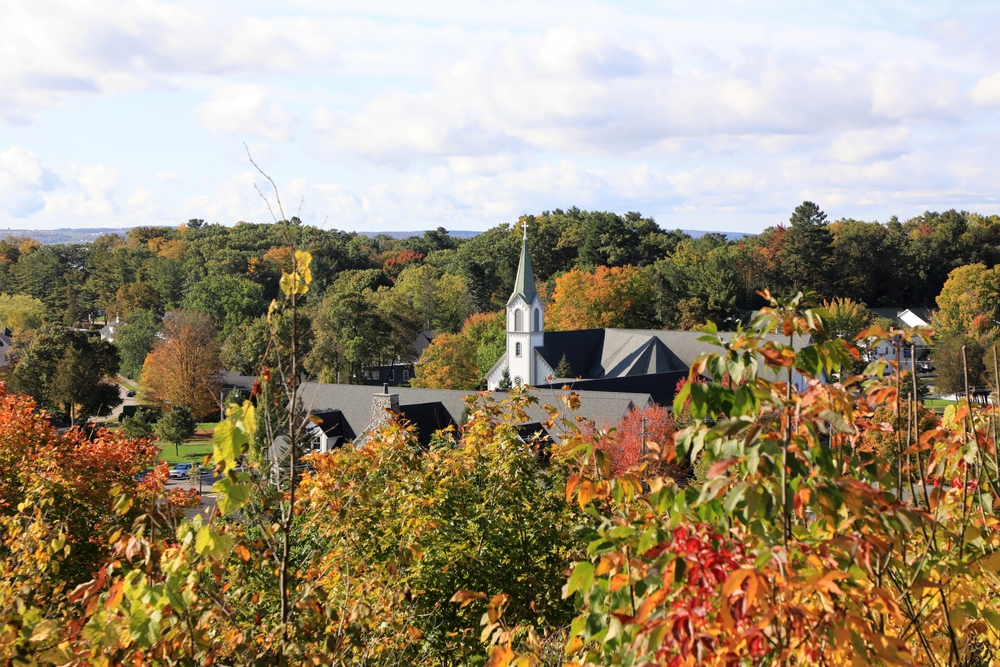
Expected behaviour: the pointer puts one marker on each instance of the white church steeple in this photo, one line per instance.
(525, 323)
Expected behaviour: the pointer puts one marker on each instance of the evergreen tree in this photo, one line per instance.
(505, 383)
(563, 370)
(808, 249)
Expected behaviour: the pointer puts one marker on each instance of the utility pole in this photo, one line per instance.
(642, 423)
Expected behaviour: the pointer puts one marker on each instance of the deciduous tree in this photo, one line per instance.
(183, 368)
(449, 362)
(619, 297)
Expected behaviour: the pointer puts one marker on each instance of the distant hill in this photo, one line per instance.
(87, 234)
(79, 235)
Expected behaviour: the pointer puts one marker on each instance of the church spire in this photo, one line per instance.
(524, 285)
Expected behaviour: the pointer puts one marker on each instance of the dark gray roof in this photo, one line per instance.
(616, 353)
(432, 408)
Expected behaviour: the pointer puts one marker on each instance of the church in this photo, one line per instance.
(612, 360)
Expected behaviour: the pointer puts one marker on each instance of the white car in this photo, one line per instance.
(181, 471)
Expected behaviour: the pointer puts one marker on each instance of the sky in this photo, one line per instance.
(410, 115)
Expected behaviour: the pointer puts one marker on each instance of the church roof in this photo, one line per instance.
(618, 353)
(524, 284)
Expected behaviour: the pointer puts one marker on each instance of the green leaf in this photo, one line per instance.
(229, 443)
(231, 494)
(212, 543)
(581, 579)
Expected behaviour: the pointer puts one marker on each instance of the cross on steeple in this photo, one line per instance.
(525, 237)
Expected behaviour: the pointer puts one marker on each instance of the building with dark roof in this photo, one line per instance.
(630, 360)
(345, 413)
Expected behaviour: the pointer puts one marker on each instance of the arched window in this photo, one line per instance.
(517, 349)
(537, 327)
(517, 320)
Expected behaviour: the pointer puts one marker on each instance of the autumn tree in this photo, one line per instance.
(487, 333)
(137, 296)
(183, 368)
(619, 297)
(449, 362)
(970, 291)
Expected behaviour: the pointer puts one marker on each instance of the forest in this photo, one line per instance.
(372, 296)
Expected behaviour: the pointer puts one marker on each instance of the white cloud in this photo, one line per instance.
(868, 145)
(56, 48)
(91, 200)
(246, 109)
(168, 177)
(582, 92)
(986, 91)
(23, 183)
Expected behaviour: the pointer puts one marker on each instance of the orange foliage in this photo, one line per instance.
(623, 444)
(619, 297)
(449, 362)
(183, 369)
(401, 259)
(79, 474)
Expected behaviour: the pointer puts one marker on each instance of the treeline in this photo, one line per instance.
(372, 296)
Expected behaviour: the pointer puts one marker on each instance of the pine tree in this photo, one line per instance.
(563, 370)
(505, 383)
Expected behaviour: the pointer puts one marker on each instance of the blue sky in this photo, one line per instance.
(402, 115)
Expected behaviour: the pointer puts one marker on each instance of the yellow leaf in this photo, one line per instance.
(573, 645)
(500, 657)
(587, 493)
(466, 597)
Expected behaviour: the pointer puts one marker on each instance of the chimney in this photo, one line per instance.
(380, 404)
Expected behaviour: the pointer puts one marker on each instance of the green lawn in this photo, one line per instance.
(937, 403)
(192, 451)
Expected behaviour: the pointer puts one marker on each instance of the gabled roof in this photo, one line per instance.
(618, 353)
(524, 284)
(434, 409)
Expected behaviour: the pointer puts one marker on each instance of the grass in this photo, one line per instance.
(194, 449)
(937, 402)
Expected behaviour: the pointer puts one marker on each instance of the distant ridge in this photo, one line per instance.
(88, 234)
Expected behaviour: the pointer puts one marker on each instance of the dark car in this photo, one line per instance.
(130, 394)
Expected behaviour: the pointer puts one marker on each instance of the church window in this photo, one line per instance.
(517, 320)
(537, 326)
(517, 349)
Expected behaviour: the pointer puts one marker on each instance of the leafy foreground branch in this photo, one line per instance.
(804, 545)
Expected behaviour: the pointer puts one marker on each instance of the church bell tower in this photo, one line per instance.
(525, 323)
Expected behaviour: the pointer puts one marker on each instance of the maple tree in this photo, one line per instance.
(183, 368)
(618, 297)
(449, 362)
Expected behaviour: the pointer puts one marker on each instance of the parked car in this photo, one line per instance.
(140, 476)
(180, 471)
(130, 394)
